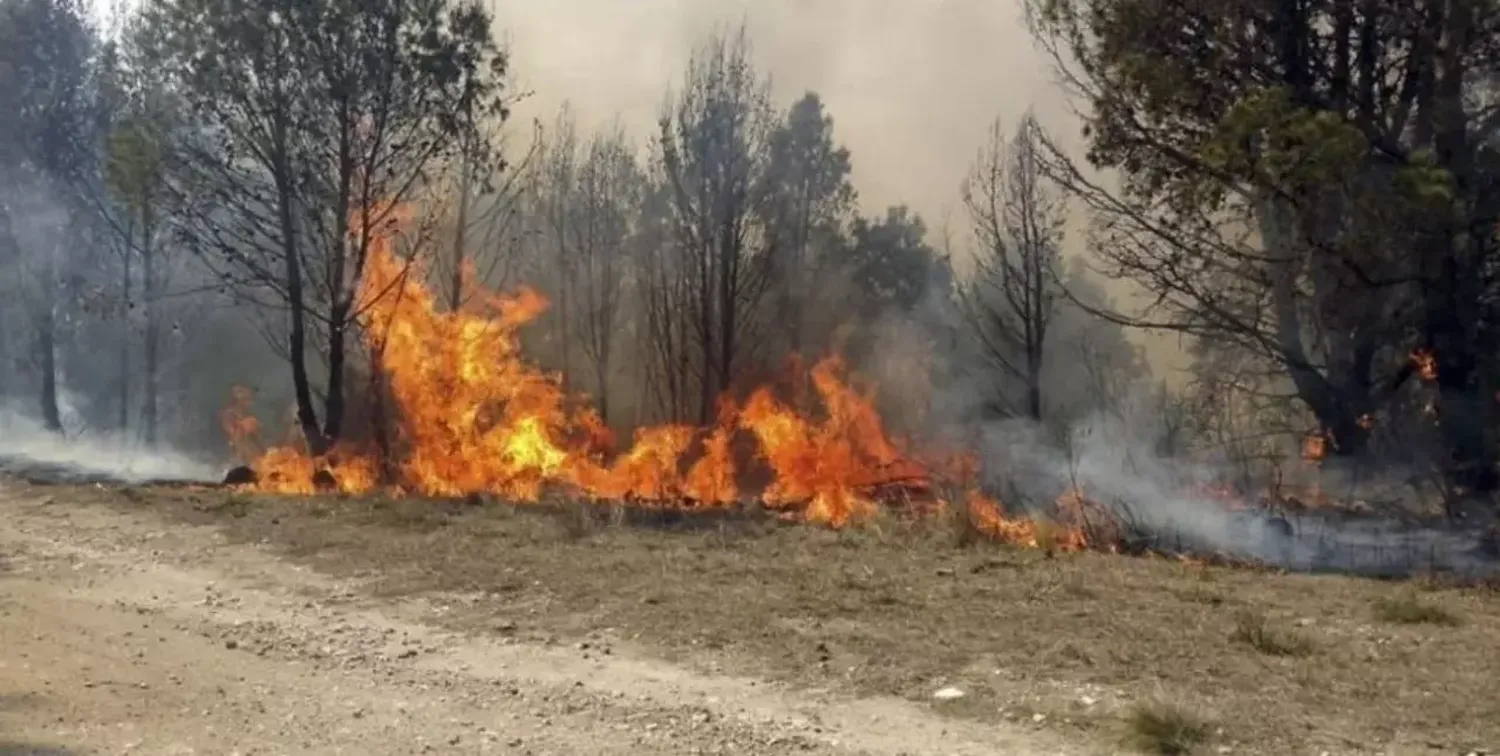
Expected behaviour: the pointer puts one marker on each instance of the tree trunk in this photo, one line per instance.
(706, 329)
(728, 323)
(333, 406)
(601, 375)
(1034, 389)
(307, 415)
(456, 282)
(148, 296)
(124, 345)
(565, 305)
(46, 344)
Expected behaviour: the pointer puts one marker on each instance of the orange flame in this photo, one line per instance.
(990, 517)
(1315, 447)
(1426, 363)
(474, 416)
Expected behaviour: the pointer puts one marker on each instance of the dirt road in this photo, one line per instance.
(123, 633)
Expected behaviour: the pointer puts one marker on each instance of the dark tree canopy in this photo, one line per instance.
(1314, 182)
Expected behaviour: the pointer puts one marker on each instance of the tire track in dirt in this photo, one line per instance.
(124, 633)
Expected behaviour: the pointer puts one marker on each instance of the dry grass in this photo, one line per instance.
(901, 608)
(1163, 729)
(1408, 609)
(1256, 631)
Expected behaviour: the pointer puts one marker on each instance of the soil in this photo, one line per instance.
(181, 620)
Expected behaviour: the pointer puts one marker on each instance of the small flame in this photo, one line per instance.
(990, 517)
(1315, 447)
(1426, 363)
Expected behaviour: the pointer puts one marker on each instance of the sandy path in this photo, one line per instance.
(120, 633)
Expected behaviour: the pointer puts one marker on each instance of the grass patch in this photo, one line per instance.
(899, 606)
(965, 526)
(1409, 610)
(1163, 729)
(1256, 631)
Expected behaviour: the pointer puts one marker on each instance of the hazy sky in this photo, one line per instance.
(912, 84)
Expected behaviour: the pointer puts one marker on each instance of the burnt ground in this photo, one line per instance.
(839, 639)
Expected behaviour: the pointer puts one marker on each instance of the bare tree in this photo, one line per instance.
(480, 195)
(140, 147)
(1017, 223)
(319, 120)
(608, 197)
(554, 187)
(714, 144)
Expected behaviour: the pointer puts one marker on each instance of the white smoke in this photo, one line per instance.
(26, 446)
(1112, 460)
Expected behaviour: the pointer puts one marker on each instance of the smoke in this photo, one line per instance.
(28, 448)
(1111, 459)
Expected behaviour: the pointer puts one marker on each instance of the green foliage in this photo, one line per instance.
(1425, 183)
(1270, 141)
(133, 162)
(893, 264)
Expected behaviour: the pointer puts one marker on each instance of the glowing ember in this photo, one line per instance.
(1315, 447)
(473, 416)
(1426, 363)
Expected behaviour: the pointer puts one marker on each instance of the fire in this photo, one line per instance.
(1426, 363)
(1315, 447)
(474, 416)
(990, 517)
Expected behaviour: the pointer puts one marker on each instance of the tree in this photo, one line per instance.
(809, 210)
(556, 183)
(892, 265)
(1313, 182)
(900, 322)
(609, 197)
(481, 192)
(142, 117)
(316, 122)
(1017, 223)
(714, 161)
(588, 196)
(46, 50)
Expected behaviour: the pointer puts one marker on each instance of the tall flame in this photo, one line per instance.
(475, 416)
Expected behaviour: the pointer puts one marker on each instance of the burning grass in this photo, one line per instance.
(474, 416)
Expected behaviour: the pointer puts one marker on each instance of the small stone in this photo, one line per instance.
(948, 694)
(1038, 717)
(231, 644)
